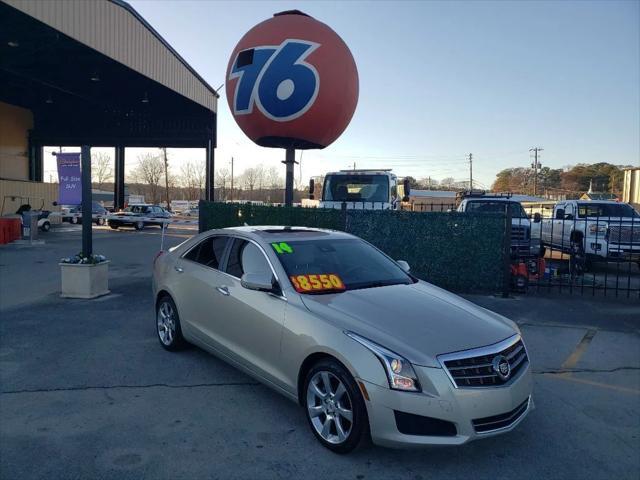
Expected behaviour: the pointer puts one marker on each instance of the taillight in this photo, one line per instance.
(158, 255)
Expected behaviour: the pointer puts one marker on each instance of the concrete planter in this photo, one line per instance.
(84, 280)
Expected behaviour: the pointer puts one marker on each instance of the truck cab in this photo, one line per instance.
(599, 229)
(361, 189)
(480, 202)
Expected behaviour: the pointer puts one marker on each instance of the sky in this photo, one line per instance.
(439, 80)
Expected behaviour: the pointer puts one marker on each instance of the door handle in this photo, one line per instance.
(178, 269)
(223, 290)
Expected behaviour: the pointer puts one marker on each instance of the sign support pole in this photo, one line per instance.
(290, 161)
(87, 219)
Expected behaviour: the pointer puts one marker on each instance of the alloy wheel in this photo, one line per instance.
(166, 321)
(330, 408)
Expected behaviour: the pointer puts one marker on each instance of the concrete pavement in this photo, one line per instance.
(87, 392)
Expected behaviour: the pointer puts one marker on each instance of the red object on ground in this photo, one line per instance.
(10, 230)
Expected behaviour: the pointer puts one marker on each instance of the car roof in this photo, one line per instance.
(593, 202)
(279, 233)
(489, 199)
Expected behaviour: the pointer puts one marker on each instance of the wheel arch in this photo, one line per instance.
(576, 236)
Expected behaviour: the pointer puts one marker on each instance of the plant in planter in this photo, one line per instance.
(84, 276)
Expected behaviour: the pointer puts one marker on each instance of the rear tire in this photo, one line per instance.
(100, 222)
(73, 220)
(168, 326)
(46, 226)
(114, 227)
(334, 407)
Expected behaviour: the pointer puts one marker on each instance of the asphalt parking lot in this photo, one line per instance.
(87, 392)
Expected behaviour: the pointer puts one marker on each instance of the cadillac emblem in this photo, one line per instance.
(501, 367)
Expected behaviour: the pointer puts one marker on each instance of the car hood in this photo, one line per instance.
(418, 321)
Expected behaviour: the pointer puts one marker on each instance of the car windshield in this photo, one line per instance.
(606, 210)
(355, 263)
(356, 188)
(496, 207)
(137, 209)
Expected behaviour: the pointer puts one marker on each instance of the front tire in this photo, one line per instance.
(46, 226)
(334, 407)
(138, 225)
(168, 324)
(73, 220)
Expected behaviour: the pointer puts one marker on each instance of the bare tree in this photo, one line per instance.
(273, 179)
(249, 180)
(101, 168)
(189, 179)
(222, 177)
(150, 170)
(448, 182)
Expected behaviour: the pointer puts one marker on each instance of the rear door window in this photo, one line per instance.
(208, 252)
(234, 263)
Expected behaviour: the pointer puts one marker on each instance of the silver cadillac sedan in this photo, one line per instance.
(334, 324)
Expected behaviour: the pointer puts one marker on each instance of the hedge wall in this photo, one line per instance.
(459, 252)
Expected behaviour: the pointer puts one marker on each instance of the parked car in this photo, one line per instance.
(334, 324)
(73, 213)
(597, 230)
(191, 212)
(139, 216)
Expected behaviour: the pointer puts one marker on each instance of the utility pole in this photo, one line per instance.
(166, 177)
(471, 171)
(301, 152)
(535, 165)
(231, 195)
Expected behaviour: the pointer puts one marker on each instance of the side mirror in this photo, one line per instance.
(403, 265)
(560, 214)
(262, 282)
(537, 218)
(407, 189)
(312, 187)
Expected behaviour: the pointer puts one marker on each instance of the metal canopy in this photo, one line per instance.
(81, 96)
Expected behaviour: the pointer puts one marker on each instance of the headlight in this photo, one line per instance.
(595, 227)
(400, 373)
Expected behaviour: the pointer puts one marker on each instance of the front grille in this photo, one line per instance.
(504, 420)
(478, 370)
(624, 233)
(519, 233)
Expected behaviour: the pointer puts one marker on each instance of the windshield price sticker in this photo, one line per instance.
(317, 283)
(282, 247)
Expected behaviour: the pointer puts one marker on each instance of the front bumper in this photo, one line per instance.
(441, 400)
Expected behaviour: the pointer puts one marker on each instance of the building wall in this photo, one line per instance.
(631, 187)
(14, 193)
(15, 123)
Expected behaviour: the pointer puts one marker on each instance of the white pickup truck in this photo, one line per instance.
(597, 229)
